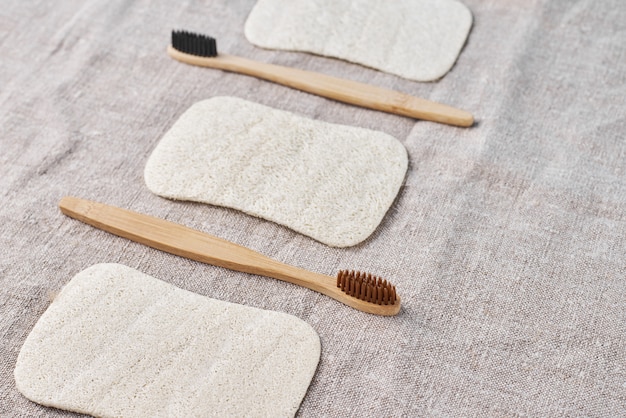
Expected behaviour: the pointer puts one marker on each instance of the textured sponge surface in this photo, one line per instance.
(331, 182)
(117, 342)
(415, 39)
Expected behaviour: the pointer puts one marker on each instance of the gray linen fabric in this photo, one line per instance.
(506, 242)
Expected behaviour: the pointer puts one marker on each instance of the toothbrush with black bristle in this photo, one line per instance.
(201, 50)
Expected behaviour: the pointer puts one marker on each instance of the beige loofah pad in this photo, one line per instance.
(331, 182)
(116, 342)
(416, 39)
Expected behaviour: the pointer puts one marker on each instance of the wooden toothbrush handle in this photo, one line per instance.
(186, 242)
(346, 91)
(190, 243)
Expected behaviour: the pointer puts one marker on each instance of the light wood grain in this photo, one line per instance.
(186, 242)
(346, 91)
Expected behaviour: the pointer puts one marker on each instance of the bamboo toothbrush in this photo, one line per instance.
(361, 291)
(201, 50)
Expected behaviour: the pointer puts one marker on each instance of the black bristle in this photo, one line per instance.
(194, 44)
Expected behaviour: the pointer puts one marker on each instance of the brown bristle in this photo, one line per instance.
(366, 287)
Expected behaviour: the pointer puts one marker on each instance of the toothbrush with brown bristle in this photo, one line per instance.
(361, 291)
(201, 50)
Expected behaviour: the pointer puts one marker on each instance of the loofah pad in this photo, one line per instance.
(116, 342)
(331, 182)
(416, 39)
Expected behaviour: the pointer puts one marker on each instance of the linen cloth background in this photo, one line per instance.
(506, 242)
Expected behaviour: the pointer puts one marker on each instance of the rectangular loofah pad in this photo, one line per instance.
(415, 39)
(331, 182)
(116, 342)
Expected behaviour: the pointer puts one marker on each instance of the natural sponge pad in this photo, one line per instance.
(116, 342)
(331, 182)
(416, 39)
